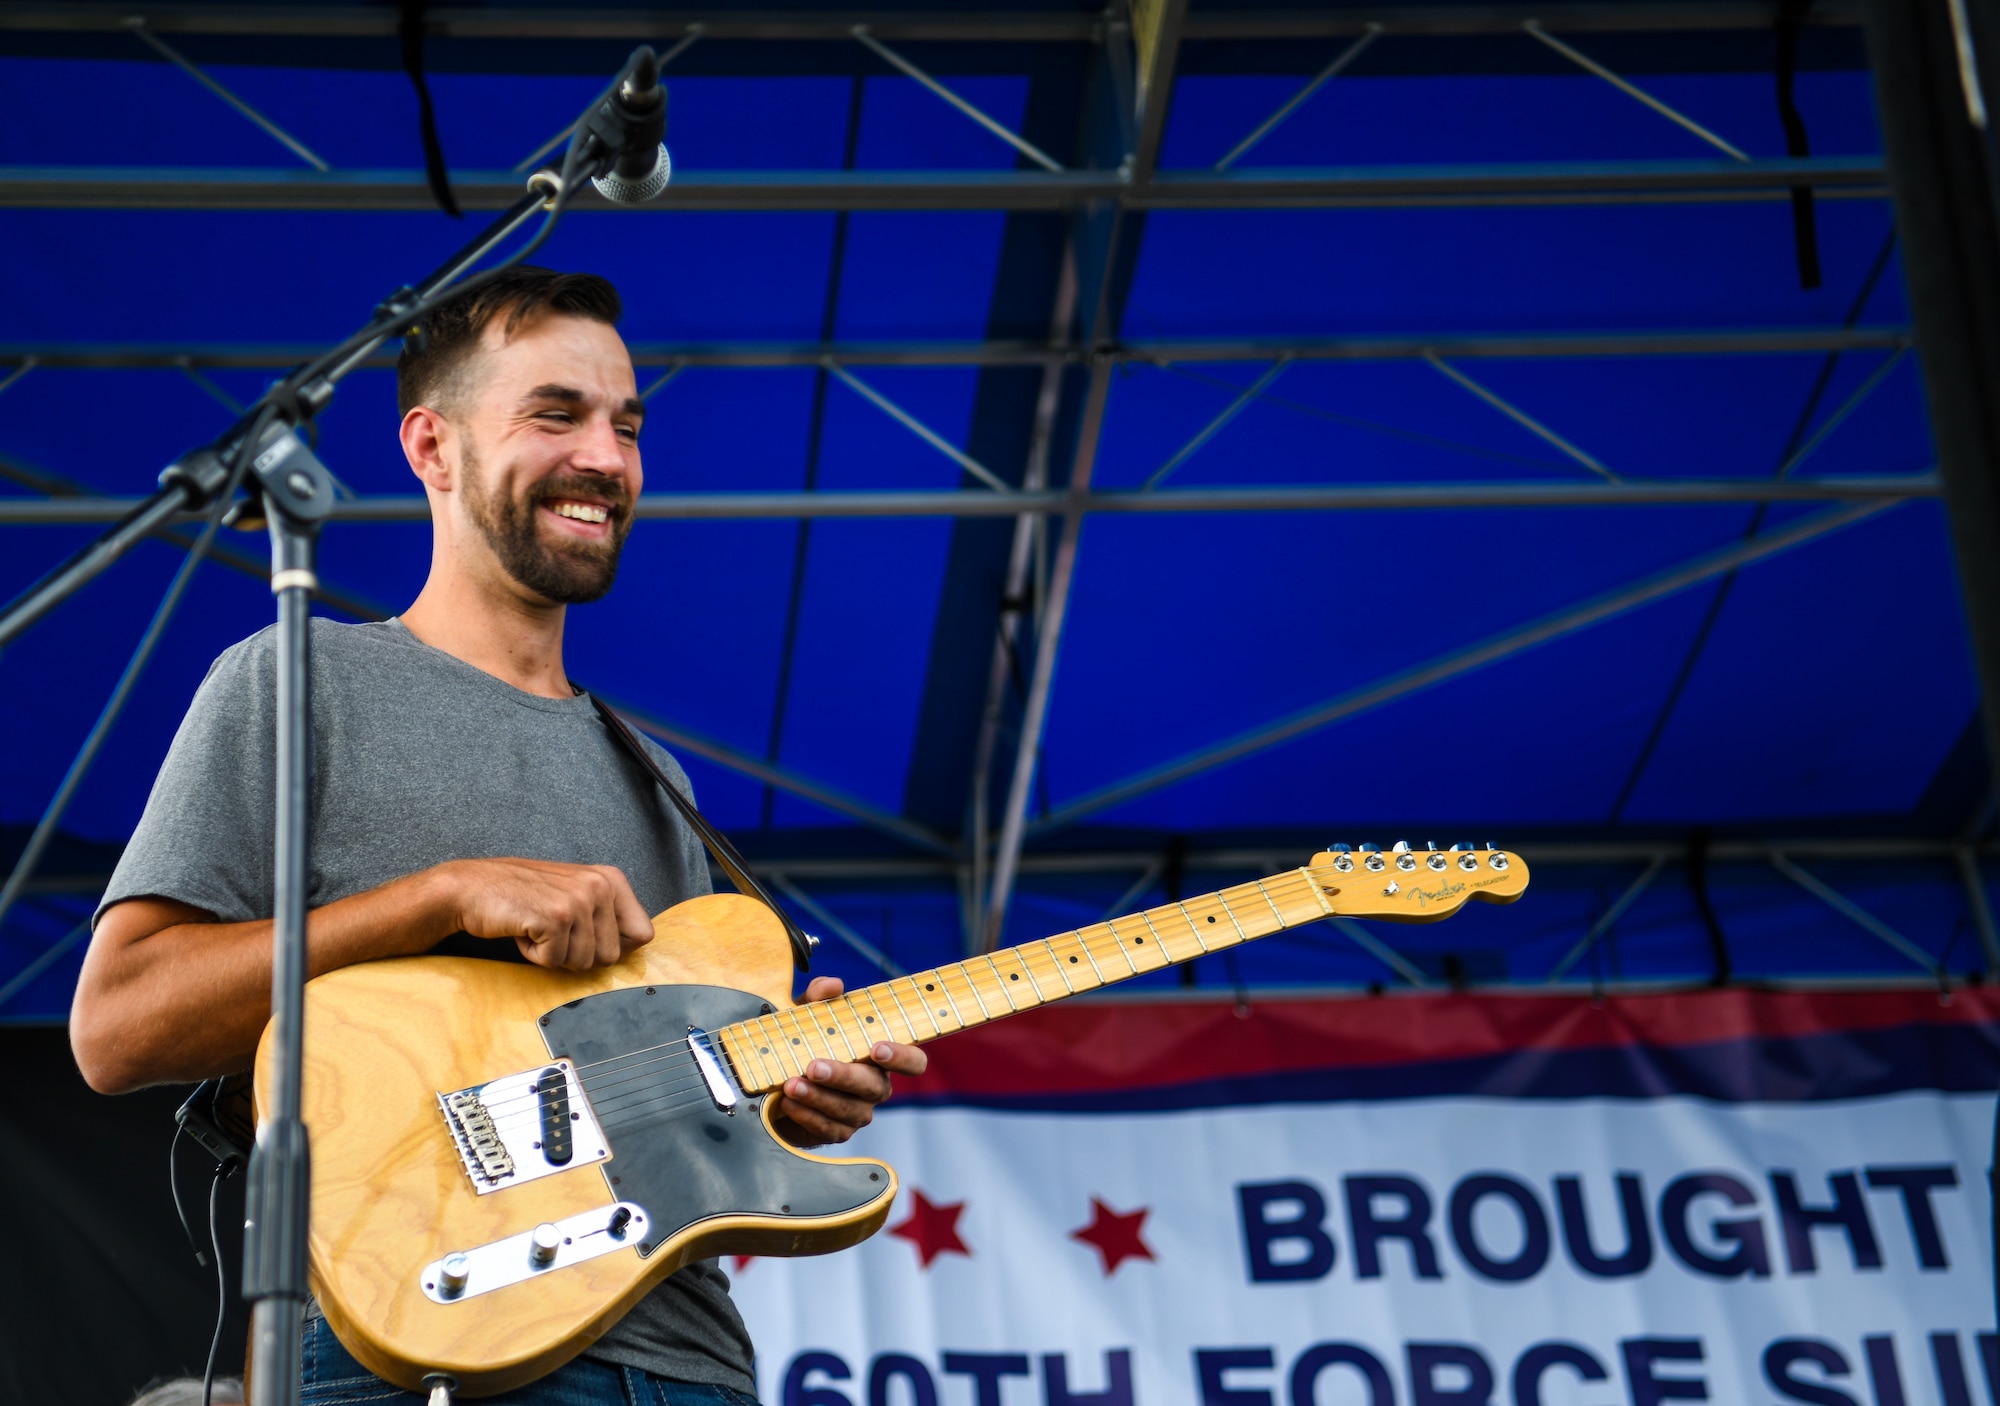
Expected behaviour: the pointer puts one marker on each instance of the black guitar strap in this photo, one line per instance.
(726, 857)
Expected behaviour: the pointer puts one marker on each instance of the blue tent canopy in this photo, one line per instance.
(1470, 276)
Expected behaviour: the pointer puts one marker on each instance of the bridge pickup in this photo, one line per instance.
(523, 1126)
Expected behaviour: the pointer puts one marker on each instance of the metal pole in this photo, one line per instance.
(1631, 90)
(53, 589)
(1268, 125)
(1982, 910)
(1855, 913)
(917, 427)
(274, 1229)
(1608, 917)
(1013, 602)
(1301, 498)
(1214, 427)
(1380, 951)
(819, 912)
(1739, 341)
(757, 769)
(1521, 418)
(264, 124)
(107, 718)
(1034, 714)
(1941, 175)
(999, 129)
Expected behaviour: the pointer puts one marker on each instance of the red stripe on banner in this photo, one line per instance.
(1105, 1046)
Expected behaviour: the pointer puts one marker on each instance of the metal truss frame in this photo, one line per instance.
(1879, 490)
(776, 24)
(1157, 31)
(790, 875)
(1753, 341)
(1329, 187)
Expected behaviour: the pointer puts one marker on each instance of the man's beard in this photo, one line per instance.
(570, 571)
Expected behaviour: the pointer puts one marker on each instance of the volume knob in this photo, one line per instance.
(544, 1243)
(453, 1273)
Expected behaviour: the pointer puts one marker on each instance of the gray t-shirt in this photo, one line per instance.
(420, 758)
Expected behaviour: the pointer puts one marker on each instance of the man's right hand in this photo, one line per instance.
(570, 917)
(167, 993)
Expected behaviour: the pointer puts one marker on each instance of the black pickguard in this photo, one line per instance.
(672, 1150)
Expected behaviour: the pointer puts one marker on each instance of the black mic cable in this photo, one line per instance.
(630, 125)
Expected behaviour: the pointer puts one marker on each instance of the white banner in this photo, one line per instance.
(1439, 1251)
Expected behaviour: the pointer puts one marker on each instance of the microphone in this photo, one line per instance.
(631, 124)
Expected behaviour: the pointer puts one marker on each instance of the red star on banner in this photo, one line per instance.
(1114, 1236)
(741, 1262)
(932, 1229)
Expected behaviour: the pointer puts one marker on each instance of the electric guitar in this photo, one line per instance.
(506, 1158)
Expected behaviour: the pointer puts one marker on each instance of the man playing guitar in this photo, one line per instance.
(466, 797)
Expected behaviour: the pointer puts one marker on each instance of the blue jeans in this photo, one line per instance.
(329, 1376)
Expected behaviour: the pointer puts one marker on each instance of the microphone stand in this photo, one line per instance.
(291, 492)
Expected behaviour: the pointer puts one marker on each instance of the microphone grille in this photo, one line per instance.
(636, 190)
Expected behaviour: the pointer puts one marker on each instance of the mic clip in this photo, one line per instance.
(628, 127)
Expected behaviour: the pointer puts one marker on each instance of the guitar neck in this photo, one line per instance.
(770, 1049)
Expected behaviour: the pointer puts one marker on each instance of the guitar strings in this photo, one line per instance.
(660, 1100)
(508, 1106)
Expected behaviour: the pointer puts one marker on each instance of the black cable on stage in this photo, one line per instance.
(174, 1186)
(214, 1256)
(222, 1172)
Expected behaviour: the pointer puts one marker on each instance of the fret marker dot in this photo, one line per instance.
(929, 987)
(795, 1042)
(1211, 917)
(1072, 961)
(829, 1029)
(868, 1019)
(1013, 976)
(1138, 939)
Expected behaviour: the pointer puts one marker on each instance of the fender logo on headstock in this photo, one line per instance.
(1439, 894)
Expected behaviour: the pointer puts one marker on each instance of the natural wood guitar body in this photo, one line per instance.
(390, 1194)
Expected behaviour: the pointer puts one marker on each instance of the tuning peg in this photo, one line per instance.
(1430, 844)
(1436, 860)
(1342, 849)
(1457, 849)
(1342, 858)
(1491, 846)
(1371, 849)
(1371, 856)
(1400, 847)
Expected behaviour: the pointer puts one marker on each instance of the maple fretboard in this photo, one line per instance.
(772, 1048)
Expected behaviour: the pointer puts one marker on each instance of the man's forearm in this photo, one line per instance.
(168, 996)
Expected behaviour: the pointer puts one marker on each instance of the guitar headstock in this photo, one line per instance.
(1405, 885)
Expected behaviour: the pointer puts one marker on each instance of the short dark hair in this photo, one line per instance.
(452, 332)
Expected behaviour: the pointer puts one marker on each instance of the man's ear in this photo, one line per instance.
(424, 433)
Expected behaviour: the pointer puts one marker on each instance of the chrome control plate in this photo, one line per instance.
(484, 1268)
(497, 1128)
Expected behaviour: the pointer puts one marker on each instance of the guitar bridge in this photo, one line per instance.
(521, 1127)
